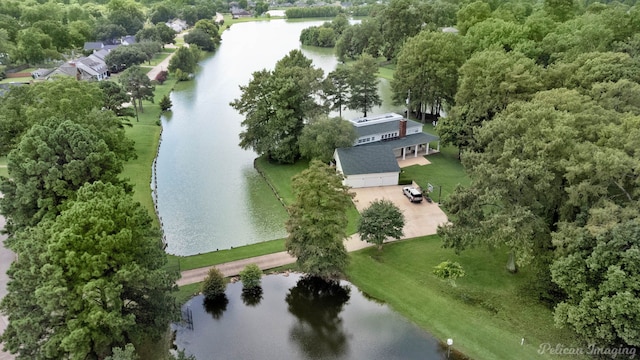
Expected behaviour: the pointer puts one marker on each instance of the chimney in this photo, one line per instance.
(403, 128)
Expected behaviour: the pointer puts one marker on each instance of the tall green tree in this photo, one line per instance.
(399, 20)
(472, 14)
(276, 104)
(380, 221)
(363, 85)
(598, 269)
(428, 68)
(52, 161)
(488, 82)
(115, 97)
(138, 85)
(186, 59)
(336, 89)
(543, 162)
(89, 280)
(318, 221)
(322, 136)
(198, 37)
(24, 106)
(359, 39)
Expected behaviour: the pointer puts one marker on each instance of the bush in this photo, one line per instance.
(251, 276)
(214, 285)
(162, 77)
(448, 270)
(165, 103)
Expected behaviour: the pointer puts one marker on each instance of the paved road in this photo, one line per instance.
(6, 258)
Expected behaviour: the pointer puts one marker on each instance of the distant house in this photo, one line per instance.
(102, 53)
(41, 73)
(128, 40)
(84, 68)
(92, 46)
(237, 13)
(381, 139)
(178, 25)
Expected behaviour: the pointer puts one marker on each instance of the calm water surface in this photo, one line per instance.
(209, 195)
(302, 320)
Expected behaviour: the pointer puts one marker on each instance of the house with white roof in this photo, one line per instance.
(382, 140)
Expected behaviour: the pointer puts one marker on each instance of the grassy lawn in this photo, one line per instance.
(223, 256)
(25, 79)
(445, 172)
(279, 176)
(487, 313)
(146, 134)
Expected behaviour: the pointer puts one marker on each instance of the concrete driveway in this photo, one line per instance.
(420, 218)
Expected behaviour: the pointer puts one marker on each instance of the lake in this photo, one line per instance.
(209, 195)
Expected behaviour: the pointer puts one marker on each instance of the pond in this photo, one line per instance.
(301, 318)
(209, 195)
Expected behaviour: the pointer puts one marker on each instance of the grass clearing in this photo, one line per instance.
(146, 134)
(486, 313)
(223, 256)
(279, 176)
(445, 172)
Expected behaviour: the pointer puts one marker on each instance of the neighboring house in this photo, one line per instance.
(41, 73)
(93, 46)
(450, 30)
(102, 53)
(390, 134)
(239, 13)
(85, 68)
(128, 40)
(178, 25)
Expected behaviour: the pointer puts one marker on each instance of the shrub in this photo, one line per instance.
(251, 276)
(214, 285)
(165, 103)
(449, 271)
(162, 77)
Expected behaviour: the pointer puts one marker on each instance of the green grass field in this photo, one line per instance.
(487, 313)
(279, 176)
(223, 256)
(146, 134)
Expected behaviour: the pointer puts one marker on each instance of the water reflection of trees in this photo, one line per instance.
(251, 297)
(317, 305)
(216, 306)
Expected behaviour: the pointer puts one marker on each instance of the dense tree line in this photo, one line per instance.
(542, 103)
(313, 11)
(39, 32)
(89, 275)
(325, 35)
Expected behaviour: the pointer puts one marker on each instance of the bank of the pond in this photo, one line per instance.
(487, 314)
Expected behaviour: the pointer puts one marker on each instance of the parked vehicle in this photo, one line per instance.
(413, 194)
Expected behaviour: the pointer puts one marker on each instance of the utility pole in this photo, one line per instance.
(408, 104)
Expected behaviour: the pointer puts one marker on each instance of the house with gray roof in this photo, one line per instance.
(382, 140)
(84, 68)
